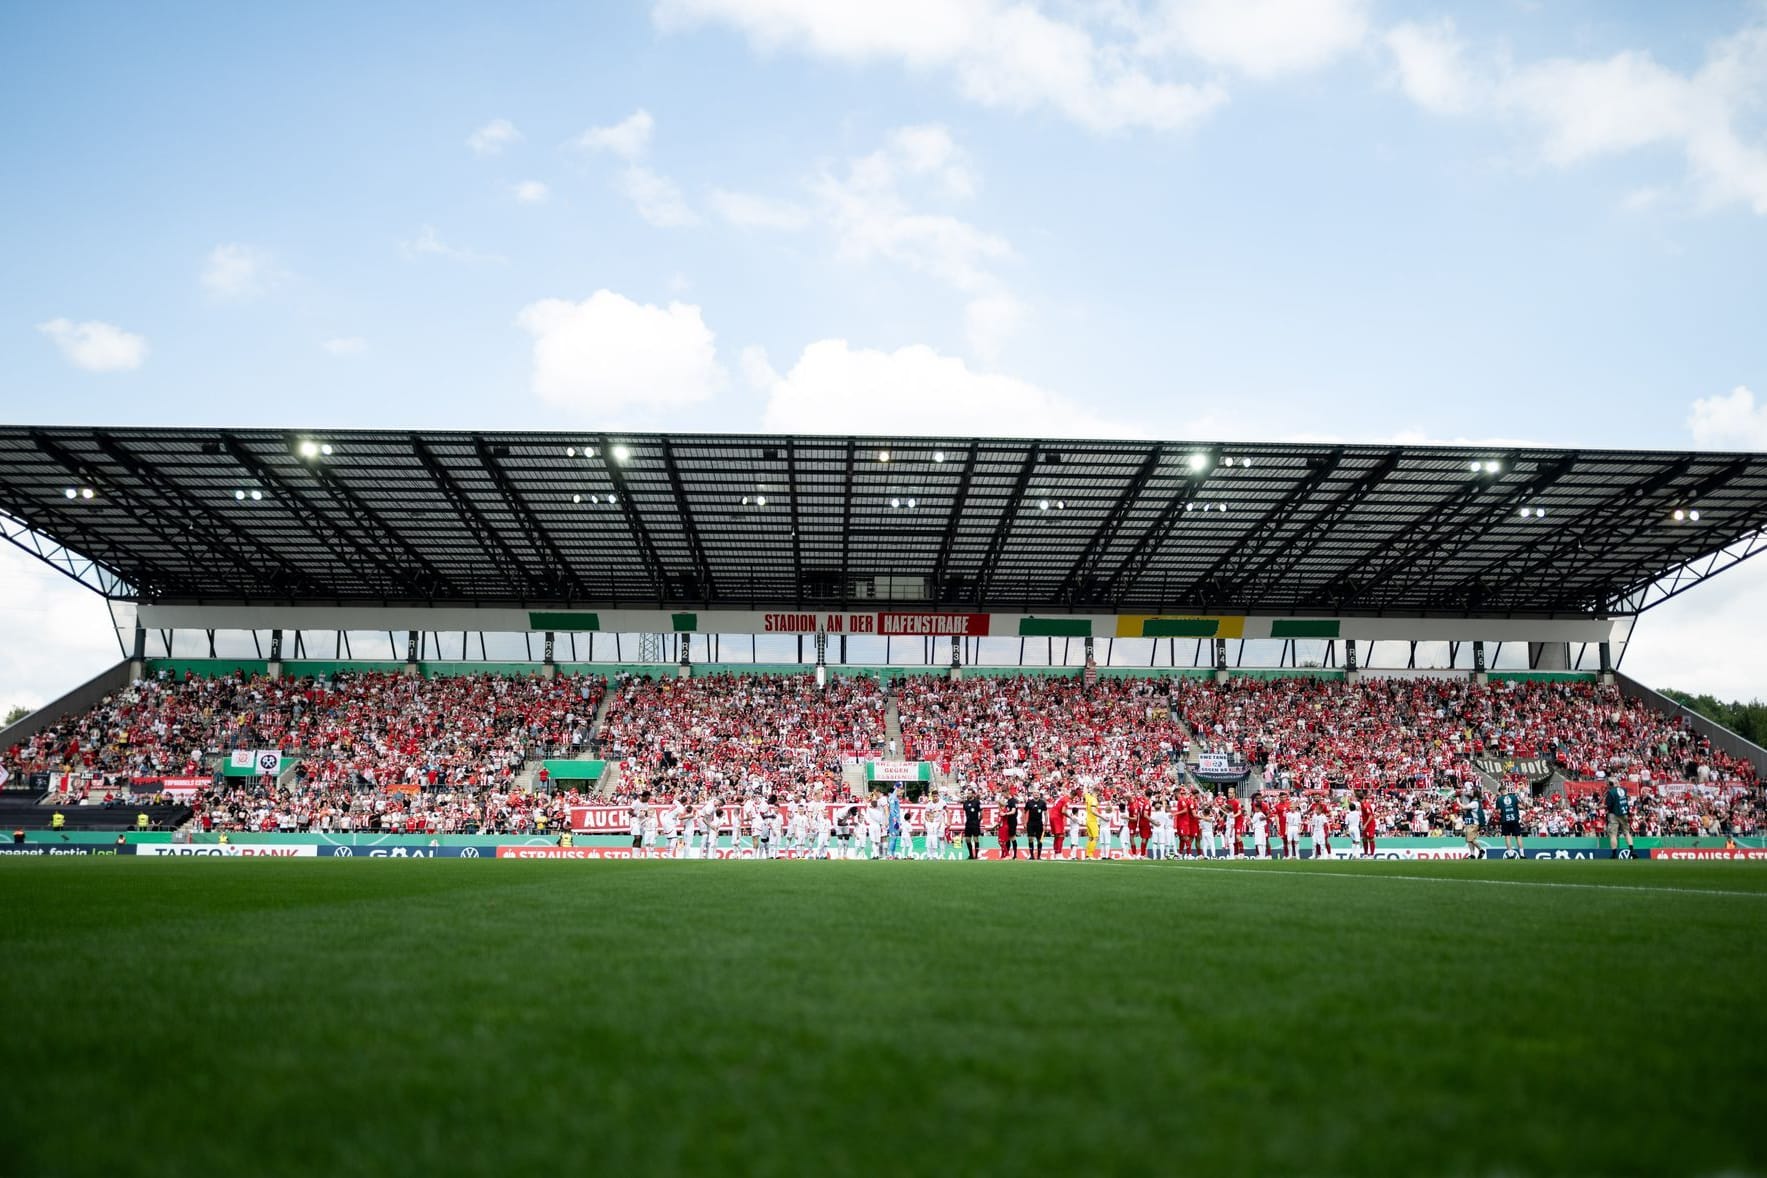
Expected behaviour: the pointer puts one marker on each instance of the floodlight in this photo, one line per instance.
(911, 505)
(257, 496)
(1694, 516)
(1680, 515)
(895, 503)
(1199, 461)
(71, 493)
(621, 453)
(938, 456)
(883, 455)
(1043, 505)
(309, 449)
(760, 500)
(87, 492)
(239, 495)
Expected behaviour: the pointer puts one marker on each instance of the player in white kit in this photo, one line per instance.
(934, 817)
(1316, 823)
(1205, 813)
(1161, 820)
(1260, 833)
(822, 823)
(669, 828)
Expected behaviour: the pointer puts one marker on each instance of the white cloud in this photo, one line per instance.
(54, 634)
(608, 355)
(629, 138)
(1730, 422)
(428, 243)
(96, 346)
(836, 388)
(872, 217)
(1263, 38)
(493, 137)
(1000, 54)
(656, 198)
(345, 345)
(236, 271)
(1581, 109)
(747, 211)
(1432, 66)
(531, 192)
(1706, 640)
(990, 321)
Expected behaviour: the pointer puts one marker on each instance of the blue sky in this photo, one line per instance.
(1180, 218)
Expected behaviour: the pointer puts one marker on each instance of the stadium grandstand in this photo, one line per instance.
(485, 635)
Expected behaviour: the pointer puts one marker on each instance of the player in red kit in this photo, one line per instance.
(1058, 821)
(1140, 826)
(1189, 825)
(1233, 826)
(1368, 826)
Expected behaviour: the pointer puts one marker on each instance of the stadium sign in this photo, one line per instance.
(76, 849)
(228, 851)
(1533, 768)
(1708, 853)
(898, 771)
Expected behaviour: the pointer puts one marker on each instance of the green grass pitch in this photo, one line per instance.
(835, 1018)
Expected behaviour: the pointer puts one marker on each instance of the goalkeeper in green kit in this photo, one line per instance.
(1619, 819)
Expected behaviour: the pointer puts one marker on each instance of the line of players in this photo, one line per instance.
(1190, 823)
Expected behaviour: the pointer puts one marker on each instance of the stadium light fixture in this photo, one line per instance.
(760, 500)
(1680, 515)
(239, 495)
(1043, 505)
(1493, 466)
(570, 451)
(912, 504)
(895, 503)
(325, 449)
(1227, 462)
(1199, 462)
(87, 492)
(71, 493)
(257, 496)
(576, 498)
(1475, 466)
(938, 456)
(1694, 516)
(1245, 461)
(883, 455)
(309, 448)
(621, 453)
(745, 500)
(1061, 504)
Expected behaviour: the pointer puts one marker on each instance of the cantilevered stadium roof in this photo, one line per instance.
(754, 521)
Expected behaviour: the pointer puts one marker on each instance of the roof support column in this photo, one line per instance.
(275, 666)
(1220, 660)
(1350, 672)
(549, 664)
(1479, 675)
(1607, 662)
(411, 652)
(821, 656)
(956, 659)
(138, 654)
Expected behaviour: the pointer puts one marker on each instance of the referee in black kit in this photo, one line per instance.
(972, 824)
(1035, 811)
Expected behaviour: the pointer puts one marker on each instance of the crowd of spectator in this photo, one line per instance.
(333, 808)
(1395, 733)
(989, 731)
(389, 752)
(754, 733)
(351, 729)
